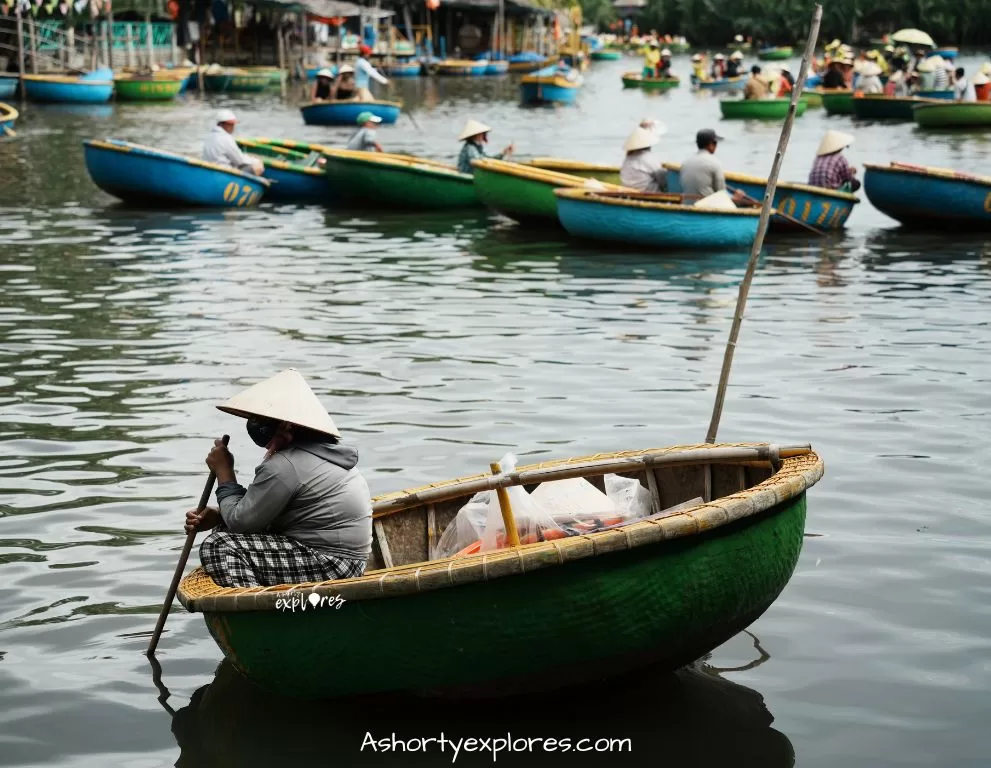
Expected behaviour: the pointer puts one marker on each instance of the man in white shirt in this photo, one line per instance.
(219, 146)
(963, 89)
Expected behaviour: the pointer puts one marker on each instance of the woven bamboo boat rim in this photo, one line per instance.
(175, 158)
(796, 472)
(558, 80)
(7, 112)
(68, 79)
(558, 165)
(936, 173)
(746, 178)
(639, 76)
(530, 173)
(282, 165)
(895, 99)
(643, 200)
(399, 163)
(306, 147)
(149, 79)
(834, 91)
(364, 104)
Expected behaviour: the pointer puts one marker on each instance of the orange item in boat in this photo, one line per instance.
(472, 549)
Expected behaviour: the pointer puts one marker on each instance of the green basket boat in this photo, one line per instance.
(398, 181)
(880, 107)
(836, 101)
(274, 74)
(237, 81)
(606, 54)
(608, 174)
(524, 193)
(637, 80)
(779, 53)
(760, 109)
(659, 591)
(949, 114)
(813, 98)
(146, 89)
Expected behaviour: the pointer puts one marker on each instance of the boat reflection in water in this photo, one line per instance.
(691, 717)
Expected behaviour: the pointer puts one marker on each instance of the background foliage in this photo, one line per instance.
(714, 22)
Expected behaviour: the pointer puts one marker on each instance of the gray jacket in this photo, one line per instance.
(310, 492)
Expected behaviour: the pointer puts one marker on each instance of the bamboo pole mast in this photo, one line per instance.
(765, 215)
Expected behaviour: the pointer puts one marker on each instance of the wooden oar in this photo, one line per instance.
(181, 565)
(413, 120)
(9, 131)
(777, 212)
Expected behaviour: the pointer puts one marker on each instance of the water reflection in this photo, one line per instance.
(692, 717)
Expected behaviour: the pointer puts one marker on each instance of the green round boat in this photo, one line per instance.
(606, 54)
(274, 74)
(812, 98)
(522, 192)
(880, 107)
(146, 89)
(242, 82)
(662, 591)
(637, 80)
(953, 114)
(760, 109)
(836, 101)
(410, 183)
(775, 54)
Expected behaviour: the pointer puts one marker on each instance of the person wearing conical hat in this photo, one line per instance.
(699, 69)
(651, 58)
(640, 169)
(734, 64)
(307, 514)
(869, 79)
(475, 136)
(718, 67)
(664, 65)
(831, 170)
(324, 85)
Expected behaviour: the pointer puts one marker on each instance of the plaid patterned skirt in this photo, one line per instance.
(268, 559)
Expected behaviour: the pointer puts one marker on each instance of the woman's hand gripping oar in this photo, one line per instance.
(181, 565)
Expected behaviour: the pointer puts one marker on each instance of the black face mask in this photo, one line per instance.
(261, 431)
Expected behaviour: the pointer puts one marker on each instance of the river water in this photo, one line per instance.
(440, 342)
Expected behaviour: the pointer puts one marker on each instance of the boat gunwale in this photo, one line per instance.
(793, 476)
(913, 100)
(282, 165)
(8, 115)
(540, 175)
(638, 76)
(631, 199)
(930, 103)
(746, 178)
(65, 80)
(542, 164)
(160, 154)
(337, 102)
(432, 168)
(933, 172)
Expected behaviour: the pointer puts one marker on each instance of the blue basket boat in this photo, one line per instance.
(932, 198)
(402, 69)
(62, 89)
(724, 84)
(497, 67)
(823, 209)
(655, 221)
(8, 86)
(346, 112)
(144, 175)
(292, 180)
(461, 67)
(549, 86)
(945, 94)
(7, 117)
(946, 53)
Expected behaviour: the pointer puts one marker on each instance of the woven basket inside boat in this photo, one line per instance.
(198, 592)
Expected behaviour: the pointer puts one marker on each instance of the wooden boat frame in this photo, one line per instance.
(567, 166)
(783, 474)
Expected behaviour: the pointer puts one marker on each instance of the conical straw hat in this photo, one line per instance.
(641, 138)
(473, 128)
(834, 141)
(717, 201)
(284, 397)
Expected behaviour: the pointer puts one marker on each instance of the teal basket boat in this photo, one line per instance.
(659, 591)
(953, 114)
(759, 109)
